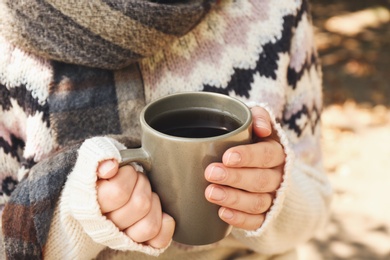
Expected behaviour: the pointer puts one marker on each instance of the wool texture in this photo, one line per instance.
(115, 32)
(71, 92)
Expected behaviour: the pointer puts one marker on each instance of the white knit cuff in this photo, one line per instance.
(82, 196)
(281, 192)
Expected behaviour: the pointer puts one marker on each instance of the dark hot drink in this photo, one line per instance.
(195, 123)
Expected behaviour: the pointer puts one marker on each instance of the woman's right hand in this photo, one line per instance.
(126, 198)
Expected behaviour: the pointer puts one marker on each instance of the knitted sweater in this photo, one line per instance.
(59, 117)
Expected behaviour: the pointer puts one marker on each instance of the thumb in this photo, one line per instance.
(107, 169)
(262, 125)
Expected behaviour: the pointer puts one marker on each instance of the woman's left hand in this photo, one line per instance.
(244, 184)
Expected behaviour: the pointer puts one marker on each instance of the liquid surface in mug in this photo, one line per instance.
(195, 123)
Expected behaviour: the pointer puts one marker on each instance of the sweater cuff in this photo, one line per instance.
(82, 196)
(278, 201)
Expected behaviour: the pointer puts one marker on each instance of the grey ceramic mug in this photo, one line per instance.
(177, 146)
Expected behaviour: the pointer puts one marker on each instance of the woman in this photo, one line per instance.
(73, 79)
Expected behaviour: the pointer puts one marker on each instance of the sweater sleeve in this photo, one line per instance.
(301, 205)
(78, 219)
(25, 139)
(34, 167)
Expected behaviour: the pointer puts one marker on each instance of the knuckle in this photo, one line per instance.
(239, 220)
(162, 243)
(256, 223)
(268, 155)
(119, 193)
(142, 203)
(250, 155)
(152, 228)
(259, 205)
(236, 177)
(234, 199)
(262, 181)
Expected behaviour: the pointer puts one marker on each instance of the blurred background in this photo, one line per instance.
(353, 40)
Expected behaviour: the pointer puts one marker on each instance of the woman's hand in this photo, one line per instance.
(244, 184)
(126, 198)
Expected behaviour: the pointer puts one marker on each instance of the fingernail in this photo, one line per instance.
(216, 174)
(234, 158)
(217, 194)
(106, 167)
(261, 123)
(226, 214)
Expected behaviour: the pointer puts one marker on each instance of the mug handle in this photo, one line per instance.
(138, 155)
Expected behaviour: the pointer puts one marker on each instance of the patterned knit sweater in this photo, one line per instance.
(60, 116)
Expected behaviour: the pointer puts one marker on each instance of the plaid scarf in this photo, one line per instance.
(83, 102)
(107, 34)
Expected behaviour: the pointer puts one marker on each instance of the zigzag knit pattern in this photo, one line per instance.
(259, 51)
(270, 58)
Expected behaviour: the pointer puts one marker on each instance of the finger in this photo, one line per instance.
(107, 169)
(115, 192)
(249, 179)
(137, 207)
(149, 226)
(164, 237)
(262, 126)
(265, 154)
(241, 219)
(252, 203)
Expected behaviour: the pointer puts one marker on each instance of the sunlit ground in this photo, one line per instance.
(353, 39)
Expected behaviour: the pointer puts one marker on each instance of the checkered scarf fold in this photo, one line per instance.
(108, 34)
(83, 102)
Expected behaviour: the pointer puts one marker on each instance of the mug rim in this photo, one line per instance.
(242, 126)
